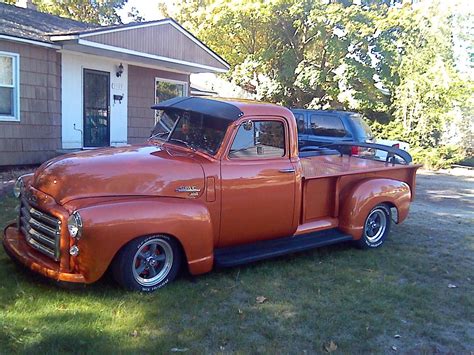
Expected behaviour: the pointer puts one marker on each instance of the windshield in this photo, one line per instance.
(164, 124)
(196, 131)
(362, 126)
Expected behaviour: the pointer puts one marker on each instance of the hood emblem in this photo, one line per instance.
(192, 190)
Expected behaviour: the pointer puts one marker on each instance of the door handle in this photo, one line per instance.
(289, 170)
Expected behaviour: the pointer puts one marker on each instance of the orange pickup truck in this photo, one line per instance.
(225, 186)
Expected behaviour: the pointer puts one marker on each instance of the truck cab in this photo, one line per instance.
(225, 186)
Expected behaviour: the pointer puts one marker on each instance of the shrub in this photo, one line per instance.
(440, 157)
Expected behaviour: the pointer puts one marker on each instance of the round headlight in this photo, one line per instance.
(18, 187)
(74, 225)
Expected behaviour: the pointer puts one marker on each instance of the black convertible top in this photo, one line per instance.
(209, 107)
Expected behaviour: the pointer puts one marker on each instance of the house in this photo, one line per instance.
(67, 85)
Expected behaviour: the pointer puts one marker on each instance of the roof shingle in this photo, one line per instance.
(31, 24)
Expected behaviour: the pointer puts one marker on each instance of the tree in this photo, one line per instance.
(135, 15)
(416, 65)
(103, 12)
(292, 52)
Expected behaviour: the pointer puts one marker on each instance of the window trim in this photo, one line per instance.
(15, 86)
(258, 119)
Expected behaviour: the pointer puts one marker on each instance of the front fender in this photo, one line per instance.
(109, 226)
(367, 194)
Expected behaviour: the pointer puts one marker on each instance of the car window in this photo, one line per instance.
(327, 125)
(362, 126)
(259, 140)
(299, 122)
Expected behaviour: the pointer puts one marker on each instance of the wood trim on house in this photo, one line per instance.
(150, 56)
(29, 41)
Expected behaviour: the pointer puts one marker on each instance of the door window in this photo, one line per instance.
(326, 125)
(96, 108)
(259, 140)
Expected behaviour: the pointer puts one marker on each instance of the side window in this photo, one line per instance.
(259, 140)
(325, 125)
(300, 122)
(9, 87)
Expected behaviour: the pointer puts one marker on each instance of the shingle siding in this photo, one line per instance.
(37, 136)
(141, 96)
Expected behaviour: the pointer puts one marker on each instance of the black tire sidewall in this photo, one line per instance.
(363, 242)
(122, 269)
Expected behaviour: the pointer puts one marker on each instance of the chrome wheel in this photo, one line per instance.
(152, 262)
(375, 225)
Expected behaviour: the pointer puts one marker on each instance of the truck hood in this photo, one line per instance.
(144, 170)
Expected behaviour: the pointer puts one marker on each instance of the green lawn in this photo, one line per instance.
(358, 299)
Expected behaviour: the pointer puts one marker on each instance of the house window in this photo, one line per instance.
(167, 89)
(9, 87)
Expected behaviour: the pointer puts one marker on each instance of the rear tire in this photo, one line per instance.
(148, 263)
(376, 227)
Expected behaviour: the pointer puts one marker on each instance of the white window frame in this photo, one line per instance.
(15, 86)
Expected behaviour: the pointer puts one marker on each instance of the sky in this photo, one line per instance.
(147, 9)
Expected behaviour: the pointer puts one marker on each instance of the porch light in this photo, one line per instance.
(119, 70)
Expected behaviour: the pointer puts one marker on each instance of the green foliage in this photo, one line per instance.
(289, 51)
(393, 63)
(437, 158)
(103, 12)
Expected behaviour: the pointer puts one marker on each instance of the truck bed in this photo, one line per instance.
(328, 180)
(337, 165)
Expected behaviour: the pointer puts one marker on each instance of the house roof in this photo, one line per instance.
(164, 42)
(34, 25)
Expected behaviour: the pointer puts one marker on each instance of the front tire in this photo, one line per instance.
(376, 227)
(147, 264)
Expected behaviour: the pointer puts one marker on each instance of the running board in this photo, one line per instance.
(243, 254)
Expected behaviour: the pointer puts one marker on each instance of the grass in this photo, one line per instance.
(358, 299)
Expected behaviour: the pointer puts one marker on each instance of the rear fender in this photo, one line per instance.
(111, 225)
(367, 194)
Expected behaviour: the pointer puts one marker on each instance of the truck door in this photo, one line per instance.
(258, 184)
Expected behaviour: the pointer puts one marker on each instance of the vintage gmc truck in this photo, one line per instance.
(226, 186)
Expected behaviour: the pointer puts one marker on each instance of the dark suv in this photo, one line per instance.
(321, 127)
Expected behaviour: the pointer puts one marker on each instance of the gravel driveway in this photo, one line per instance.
(445, 195)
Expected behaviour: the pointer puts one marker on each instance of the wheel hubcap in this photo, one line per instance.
(152, 262)
(375, 225)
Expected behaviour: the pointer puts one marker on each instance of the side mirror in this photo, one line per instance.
(248, 125)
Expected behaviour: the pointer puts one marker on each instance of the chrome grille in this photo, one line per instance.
(41, 230)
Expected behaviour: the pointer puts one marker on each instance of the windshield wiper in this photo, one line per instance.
(183, 142)
(157, 135)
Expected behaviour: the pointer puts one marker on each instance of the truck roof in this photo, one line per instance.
(226, 108)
